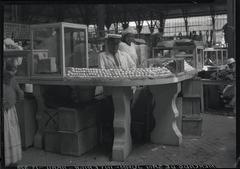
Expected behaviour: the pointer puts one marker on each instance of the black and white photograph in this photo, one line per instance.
(111, 84)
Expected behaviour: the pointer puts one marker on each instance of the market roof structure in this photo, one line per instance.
(89, 13)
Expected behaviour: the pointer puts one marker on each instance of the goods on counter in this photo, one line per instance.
(138, 73)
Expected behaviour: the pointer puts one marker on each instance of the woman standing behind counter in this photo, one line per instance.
(11, 94)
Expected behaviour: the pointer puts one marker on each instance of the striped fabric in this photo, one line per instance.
(12, 139)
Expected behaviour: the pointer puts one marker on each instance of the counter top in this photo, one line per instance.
(113, 82)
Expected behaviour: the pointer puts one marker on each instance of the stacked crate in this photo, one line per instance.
(191, 100)
(76, 134)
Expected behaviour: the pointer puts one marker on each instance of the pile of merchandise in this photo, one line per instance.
(138, 73)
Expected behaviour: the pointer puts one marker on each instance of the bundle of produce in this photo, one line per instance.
(138, 73)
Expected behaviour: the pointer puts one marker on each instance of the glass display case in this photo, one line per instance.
(56, 47)
(162, 52)
(191, 51)
(215, 56)
(23, 58)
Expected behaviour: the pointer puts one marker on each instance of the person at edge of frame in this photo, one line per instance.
(11, 94)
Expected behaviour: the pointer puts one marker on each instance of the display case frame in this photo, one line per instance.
(217, 51)
(197, 60)
(155, 49)
(61, 26)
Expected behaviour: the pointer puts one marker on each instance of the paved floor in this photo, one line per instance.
(216, 146)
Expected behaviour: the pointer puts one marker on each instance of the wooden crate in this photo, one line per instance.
(192, 125)
(77, 143)
(52, 141)
(192, 88)
(191, 106)
(75, 120)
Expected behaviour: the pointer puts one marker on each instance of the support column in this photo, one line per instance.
(122, 144)
(231, 20)
(139, 26)
(101, 15)
(185, 17)
(152, 24)
(116, 27)
(166, 114)
(161, 25)
(213, 34)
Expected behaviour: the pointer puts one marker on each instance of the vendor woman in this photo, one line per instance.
(11, 94)
(127, 44)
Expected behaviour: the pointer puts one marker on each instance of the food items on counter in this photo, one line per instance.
(188, 67)
(138, 73)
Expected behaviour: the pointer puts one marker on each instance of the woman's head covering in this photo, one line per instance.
(230, 61)
(128, 30)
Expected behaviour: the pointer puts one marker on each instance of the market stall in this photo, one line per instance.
(57, 64)
(165, 90)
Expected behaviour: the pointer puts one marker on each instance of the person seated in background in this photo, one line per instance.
(112, 57)
(228, 93)
(127, 44)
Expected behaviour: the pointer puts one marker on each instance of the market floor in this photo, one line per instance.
(217, 146)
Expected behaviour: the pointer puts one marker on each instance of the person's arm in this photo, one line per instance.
(19, 92)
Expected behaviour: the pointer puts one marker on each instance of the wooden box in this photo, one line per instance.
(192, 88)
(191, 106)
(77, 143)
(75, 120)
(192, 125)
(52, 141)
